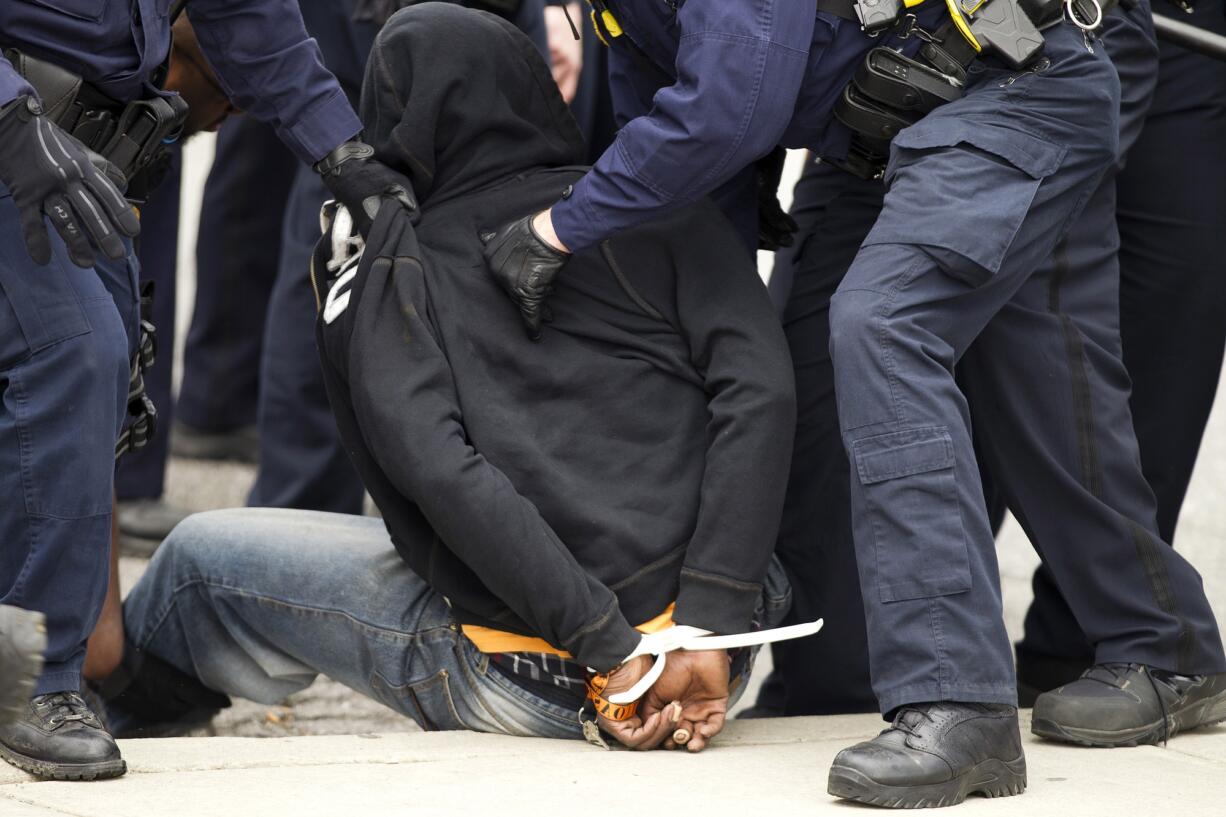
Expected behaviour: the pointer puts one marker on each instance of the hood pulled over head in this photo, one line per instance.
(458, 100)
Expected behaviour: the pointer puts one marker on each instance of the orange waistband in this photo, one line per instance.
(487, 639)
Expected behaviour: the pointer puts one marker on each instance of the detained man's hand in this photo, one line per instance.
(642, 731)
(524, 257)
(698, 680)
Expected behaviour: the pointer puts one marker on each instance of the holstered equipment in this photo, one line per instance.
(132, 136)
(891, 91)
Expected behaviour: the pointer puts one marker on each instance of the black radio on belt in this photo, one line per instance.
(903, 83)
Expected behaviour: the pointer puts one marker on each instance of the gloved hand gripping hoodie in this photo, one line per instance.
(564, 489)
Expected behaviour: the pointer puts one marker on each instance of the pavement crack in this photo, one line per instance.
(40, 806)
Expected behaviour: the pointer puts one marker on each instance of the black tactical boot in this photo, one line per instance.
(23, 637)
(935, 754)
(1129, 704)
(60, 738)
(146, 697)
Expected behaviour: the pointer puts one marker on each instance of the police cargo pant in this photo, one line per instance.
(979, 195)
(66, 335)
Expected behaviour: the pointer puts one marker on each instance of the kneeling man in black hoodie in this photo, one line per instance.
(527, 542)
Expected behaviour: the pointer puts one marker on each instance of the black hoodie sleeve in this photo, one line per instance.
(405, 403)
(737, 343)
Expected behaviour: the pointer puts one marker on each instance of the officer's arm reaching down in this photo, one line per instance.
(270, 67)
(740, 65)
(739, 70)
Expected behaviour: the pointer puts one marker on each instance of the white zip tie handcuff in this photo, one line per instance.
(683, 637)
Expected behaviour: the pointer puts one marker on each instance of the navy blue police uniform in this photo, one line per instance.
(1170, 208)
(1029, 149)
(978, 194)
(67, 333)
(237, 249)
(1039, 465)
(141, 474)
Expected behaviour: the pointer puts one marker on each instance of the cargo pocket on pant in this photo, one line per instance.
(912, 496)
(965, 185)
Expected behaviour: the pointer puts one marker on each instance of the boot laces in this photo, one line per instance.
(59, 708)
(1115, 675)
(913, 725)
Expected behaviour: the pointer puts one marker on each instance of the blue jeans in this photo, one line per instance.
(257, 602)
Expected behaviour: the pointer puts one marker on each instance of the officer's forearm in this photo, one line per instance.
(12, 84)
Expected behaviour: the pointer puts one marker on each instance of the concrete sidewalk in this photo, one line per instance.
(770, 767)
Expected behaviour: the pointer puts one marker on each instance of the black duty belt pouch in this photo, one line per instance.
(898, 82)
(869, 118)
(131, 136)
(890, 91)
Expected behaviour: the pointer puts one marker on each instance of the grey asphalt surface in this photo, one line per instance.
(327, 708)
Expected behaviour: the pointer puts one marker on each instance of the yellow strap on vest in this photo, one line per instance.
(962, 24)
(489, 640)
(610, 22)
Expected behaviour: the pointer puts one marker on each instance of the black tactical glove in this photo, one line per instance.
(524, 265)
(361, 183)
(50, 173)
(775, 227)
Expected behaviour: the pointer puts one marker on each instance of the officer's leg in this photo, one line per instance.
(1054, 650)
(821, 675)
(1067, 455)
(1172, 208)
(989, 184)
(142, 473)
(65, 340)
(302, 461)
(1059, 437)
(237, 253)
(144, 517)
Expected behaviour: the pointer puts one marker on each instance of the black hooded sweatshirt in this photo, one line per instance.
(635, 456)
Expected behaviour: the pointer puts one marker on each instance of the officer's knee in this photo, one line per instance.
(855, 326)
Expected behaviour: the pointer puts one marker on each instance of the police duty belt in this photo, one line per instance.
(132, 135)
(891, 91)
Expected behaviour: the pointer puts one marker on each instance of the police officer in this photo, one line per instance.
(979, 192)
(1171, 210)
(1168, 302)
(69, 308)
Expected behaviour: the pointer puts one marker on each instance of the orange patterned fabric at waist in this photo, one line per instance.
(489, 640)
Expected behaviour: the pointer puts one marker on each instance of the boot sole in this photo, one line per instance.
(47, 770)
(991, 778)
(28, 640)
(1208, 712)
